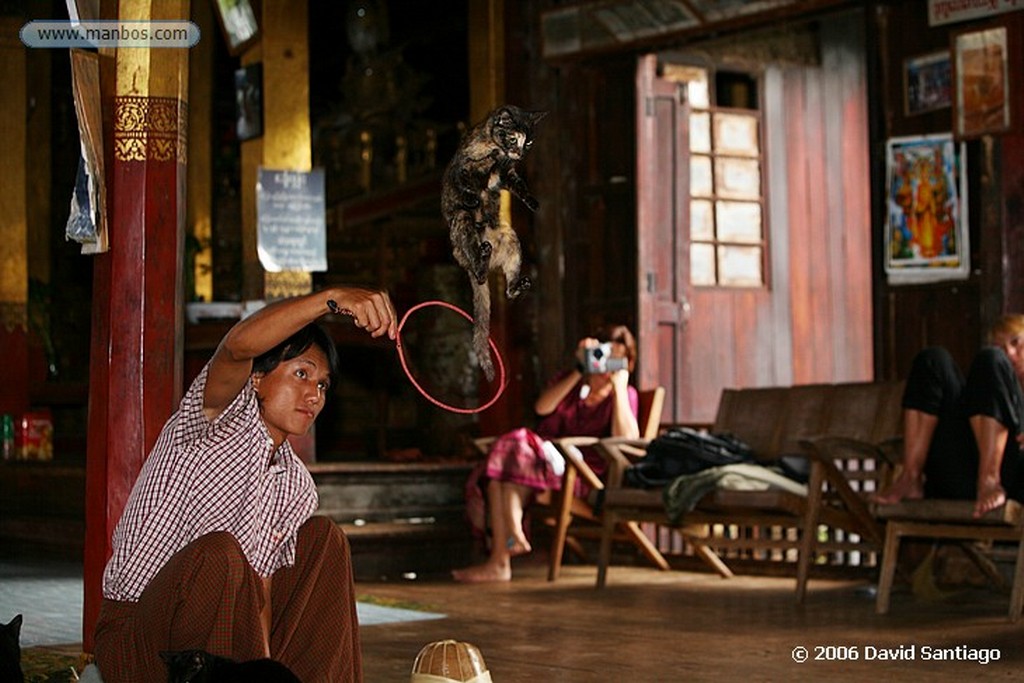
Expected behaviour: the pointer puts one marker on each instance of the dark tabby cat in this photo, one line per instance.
(483, 165)
(10, 652)
(198, 666)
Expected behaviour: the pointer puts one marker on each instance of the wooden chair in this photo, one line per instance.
(951, 520)
(559, 510)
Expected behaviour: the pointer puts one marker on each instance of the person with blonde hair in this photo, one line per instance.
(962, 437)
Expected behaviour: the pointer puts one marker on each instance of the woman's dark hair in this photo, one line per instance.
(295, 345)
(622, 335)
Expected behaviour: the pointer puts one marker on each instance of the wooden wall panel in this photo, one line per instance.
(801, 247)
(847, 162)
(828, 212)
(598, 278)
(779, 338)
(820, 231)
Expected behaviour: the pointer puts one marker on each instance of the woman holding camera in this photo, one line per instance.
(593, 399)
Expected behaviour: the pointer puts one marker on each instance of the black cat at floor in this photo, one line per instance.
(198, 666)
(10, 652)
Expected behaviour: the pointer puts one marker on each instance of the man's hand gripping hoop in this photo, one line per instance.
(401, 357)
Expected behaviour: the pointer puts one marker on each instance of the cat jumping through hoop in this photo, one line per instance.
(483, 165)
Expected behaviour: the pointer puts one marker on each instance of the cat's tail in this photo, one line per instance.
(482, 327)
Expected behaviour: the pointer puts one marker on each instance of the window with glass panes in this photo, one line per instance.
(727, 217)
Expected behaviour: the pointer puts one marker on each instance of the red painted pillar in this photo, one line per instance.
(14, 223)
(136, 353)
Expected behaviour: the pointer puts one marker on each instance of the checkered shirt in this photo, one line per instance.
(204, 476)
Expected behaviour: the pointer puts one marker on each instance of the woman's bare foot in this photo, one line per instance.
(906, 487)
(518, 545)
(990, 496)
(483, 573)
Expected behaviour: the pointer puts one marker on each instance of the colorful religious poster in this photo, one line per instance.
(926, 238)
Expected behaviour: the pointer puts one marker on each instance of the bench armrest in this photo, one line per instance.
(699, 426)
(569, 447)
(620, 452)
(824, 452)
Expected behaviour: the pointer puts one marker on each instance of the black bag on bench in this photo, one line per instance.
(681, 451)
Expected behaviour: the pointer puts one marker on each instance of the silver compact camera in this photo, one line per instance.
(598, 359)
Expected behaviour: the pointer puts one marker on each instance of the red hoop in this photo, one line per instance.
(408, 373)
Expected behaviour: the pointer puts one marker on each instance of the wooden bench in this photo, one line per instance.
(843, 430)
(952, 520)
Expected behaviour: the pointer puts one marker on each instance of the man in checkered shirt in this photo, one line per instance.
(218, 548)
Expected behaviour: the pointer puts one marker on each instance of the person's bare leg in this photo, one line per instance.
(516, 496)
(991, 436)
(498, 566)
(918, 429)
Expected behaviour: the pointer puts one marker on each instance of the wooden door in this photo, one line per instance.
(694, 340)
(662, 179)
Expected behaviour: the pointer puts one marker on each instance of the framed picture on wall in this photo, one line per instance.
(926, 237)
(239, 23)
(249, 102)
(927, 83)
(983, 82)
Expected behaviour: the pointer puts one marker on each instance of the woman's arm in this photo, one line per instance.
(232, 362)
(549, 399)
(623, 419)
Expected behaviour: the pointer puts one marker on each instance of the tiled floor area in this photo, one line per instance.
(48, 593)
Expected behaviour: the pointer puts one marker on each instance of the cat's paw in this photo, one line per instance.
(518, 287)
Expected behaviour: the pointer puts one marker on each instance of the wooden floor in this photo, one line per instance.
(682, 626)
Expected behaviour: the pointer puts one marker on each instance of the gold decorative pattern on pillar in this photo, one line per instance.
(150, 128)
(287, 283)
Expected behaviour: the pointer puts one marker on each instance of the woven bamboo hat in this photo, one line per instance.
(450, 661)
